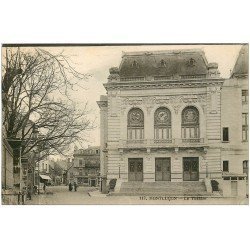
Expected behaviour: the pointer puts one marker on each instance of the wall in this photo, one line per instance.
(235, 151)
(7, 166)
(205, 99)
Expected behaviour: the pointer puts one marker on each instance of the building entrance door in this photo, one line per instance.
(135, 169)
(92, 183)
(190, 168)
(162, 169)
(234, 188)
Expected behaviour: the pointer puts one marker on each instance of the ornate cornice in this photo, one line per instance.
(188, 83)
(174, 100)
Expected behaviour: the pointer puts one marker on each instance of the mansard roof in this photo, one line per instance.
(163, 63)
(241, 65)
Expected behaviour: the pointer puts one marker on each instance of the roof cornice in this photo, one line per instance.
(187, 83)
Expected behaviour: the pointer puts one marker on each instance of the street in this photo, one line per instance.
(60, 195)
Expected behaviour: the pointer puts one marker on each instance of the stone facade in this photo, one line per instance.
(234, 109)
(160, 122)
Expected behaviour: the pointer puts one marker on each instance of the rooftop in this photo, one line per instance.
(241, 65)
(163, 65)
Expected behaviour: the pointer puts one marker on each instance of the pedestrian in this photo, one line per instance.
(70, 186)
(44, 187)
(75, 186)
(35, 189)
(29, 192)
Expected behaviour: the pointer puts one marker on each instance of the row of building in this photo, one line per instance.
(168, 117)
(19, 173)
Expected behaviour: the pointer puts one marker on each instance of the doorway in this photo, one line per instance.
(190, 168)
(163, 169)
(234, 188)
(135, 169)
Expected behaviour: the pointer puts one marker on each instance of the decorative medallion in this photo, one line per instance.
(191, 62)
(135, 118)
(162, 116)
(190, 115)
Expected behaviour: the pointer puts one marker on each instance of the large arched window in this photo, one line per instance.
(162, 124)
(190, 123)
(135, 124)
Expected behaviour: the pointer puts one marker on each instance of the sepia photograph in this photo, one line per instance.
(119, 124)
(125, 125)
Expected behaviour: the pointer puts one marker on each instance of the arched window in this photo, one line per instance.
(191, 62)
(190, 123)
(135, 124)
(135, 64)
(163, 64)
(162, 124)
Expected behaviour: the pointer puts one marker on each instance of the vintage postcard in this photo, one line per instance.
(125, 124)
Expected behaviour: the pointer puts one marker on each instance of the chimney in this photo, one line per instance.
(213, 71)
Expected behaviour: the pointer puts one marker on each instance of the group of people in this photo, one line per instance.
(73, 186)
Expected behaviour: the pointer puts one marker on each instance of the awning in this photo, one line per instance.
(45, 177)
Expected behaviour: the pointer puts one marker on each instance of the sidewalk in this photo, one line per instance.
(97, 193)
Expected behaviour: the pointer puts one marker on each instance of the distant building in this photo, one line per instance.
(86, 166)
(45, 172)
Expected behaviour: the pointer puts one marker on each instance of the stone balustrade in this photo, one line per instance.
(151, 143)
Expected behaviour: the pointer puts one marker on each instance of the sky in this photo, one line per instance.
(96, 61)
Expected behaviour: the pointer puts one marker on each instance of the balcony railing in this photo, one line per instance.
(163, 141)
(148, 143)
(193, 140)
(133, 79)
(138, 141)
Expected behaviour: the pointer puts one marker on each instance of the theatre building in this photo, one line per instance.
(161, 121)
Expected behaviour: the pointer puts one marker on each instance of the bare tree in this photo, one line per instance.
(31, 85)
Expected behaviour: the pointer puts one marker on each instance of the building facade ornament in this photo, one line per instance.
(175, 101)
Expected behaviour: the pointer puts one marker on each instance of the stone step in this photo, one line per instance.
(173, 188)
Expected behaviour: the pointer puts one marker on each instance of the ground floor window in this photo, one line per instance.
(85, 180)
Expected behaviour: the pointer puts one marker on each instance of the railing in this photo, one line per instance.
(139, 141)
(161, 142)
(192, 76)
(160, 78)
(133, 79)
(193, 140)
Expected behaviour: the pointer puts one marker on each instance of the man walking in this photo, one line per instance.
(75, 186)
(70, 186)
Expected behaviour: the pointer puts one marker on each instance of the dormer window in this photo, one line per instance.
(135, 64)
(191, 62)
(163, 64)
